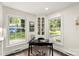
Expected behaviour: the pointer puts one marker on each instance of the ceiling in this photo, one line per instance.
(38, 8)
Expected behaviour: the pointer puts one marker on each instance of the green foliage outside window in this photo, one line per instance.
(16, 28)
(55, 26)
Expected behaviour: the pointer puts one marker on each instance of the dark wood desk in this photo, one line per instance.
(39, 43)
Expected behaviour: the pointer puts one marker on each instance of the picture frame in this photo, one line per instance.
(31, 26)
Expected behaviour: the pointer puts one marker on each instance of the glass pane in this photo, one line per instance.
(12, 33)
(20, 34)
(55, 26)
(23, 33)
(15, 22)
(22, 23)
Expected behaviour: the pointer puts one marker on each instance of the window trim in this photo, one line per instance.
(49, 26)
(24, 40)
(62, 31)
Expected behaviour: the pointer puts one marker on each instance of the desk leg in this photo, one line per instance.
(49, 50)
(52, 49)
(29, 51)
(31, 48)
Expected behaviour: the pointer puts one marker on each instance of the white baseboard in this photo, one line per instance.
(15, 51)
(67, 52)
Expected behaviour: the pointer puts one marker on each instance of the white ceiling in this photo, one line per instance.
(38, 8)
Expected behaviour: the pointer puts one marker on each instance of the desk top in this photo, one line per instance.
(41, 42)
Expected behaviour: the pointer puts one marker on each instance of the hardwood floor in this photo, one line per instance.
(36, 51)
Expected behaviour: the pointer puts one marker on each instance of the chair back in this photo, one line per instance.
(39, 39)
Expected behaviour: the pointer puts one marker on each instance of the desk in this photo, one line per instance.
(39, 43)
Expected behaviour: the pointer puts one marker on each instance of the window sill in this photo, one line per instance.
(18, 43)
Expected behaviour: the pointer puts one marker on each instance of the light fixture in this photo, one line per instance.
(46, 8)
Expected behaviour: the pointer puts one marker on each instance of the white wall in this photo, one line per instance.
(28, 17)
(71, 32)
(1, 17)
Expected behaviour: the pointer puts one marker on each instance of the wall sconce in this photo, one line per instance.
(77, 22)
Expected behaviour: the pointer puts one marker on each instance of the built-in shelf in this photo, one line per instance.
(41, 25)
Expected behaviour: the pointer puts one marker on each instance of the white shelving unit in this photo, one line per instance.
(41, 26)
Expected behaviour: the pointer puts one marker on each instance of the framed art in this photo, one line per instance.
(31, 26)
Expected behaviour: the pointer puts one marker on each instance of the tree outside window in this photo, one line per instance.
(55, 26)
(55, 29)
(16, 28)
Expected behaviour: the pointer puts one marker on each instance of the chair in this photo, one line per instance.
(39, 39)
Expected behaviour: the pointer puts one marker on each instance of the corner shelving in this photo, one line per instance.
(41, 25)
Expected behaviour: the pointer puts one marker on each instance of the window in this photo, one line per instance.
(16, 29)
(55, 26)
(55, 30)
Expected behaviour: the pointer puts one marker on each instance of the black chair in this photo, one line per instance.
(39, 39)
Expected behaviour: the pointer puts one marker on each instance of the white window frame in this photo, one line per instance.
(17, 43)
(62, 32)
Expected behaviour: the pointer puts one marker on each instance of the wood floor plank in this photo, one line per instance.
(36, 51)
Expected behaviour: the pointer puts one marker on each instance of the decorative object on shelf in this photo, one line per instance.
(43, 25)
(31, 26)
(77, 22)
(38, 25)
